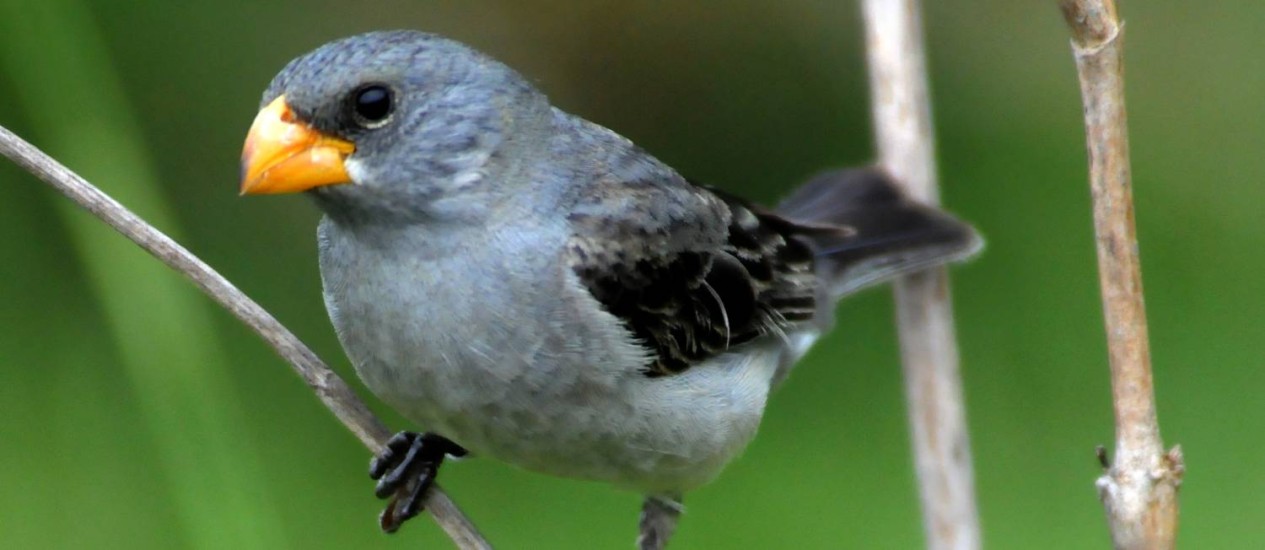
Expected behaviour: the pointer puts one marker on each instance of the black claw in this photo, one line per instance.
(398, 443)
(413, 502)
(406, 468)
(387, 520)
(398, 476)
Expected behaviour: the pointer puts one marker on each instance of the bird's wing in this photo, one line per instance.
(690, 271)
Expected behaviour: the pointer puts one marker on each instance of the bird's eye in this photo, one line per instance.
(372, 105)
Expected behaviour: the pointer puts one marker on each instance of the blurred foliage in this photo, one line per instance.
(137, 415)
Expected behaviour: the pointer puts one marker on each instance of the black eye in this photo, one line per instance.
(372, 104)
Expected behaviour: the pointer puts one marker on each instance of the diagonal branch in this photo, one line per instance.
(933, 386)
(329, 387)
(1139, 489)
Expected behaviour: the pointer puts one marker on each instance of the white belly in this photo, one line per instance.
(545, 381)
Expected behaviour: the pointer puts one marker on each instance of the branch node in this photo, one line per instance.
(1090, 49)
(1175, 465)
(1093, 22)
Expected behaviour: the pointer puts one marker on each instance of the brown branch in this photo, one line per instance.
(331, 389)
(933, 387)
(1139, 489)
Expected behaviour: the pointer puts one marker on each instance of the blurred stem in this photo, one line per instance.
(165, 335)
(933, 386)
(1139, 488)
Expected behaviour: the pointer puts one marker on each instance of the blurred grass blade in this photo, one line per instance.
(161, 326)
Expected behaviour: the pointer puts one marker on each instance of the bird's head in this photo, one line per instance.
(388, 124)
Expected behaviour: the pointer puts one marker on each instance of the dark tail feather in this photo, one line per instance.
(893, 235)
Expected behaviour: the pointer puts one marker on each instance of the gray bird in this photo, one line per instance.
(533, 287)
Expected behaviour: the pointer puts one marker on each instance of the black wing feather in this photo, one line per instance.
(690, 271)
(693, 271)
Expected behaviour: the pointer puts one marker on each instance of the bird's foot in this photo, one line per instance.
(659, 515)
(405, 470)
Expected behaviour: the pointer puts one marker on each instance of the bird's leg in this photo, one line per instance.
(659, 514)
(406, 468)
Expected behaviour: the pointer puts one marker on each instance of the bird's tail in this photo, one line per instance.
(891, 235)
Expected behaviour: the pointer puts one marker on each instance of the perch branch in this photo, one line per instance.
(329, 387)
(933, 387)
(1139, 488)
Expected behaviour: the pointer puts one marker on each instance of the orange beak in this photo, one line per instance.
(284, 155)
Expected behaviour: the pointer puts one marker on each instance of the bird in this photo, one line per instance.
(526, 285)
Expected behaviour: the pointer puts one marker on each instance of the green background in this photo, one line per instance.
(135, 414)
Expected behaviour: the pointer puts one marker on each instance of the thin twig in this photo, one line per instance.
(933, 387)
(329, 387)
(1139, 489)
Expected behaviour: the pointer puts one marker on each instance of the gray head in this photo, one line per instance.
(407, 118)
